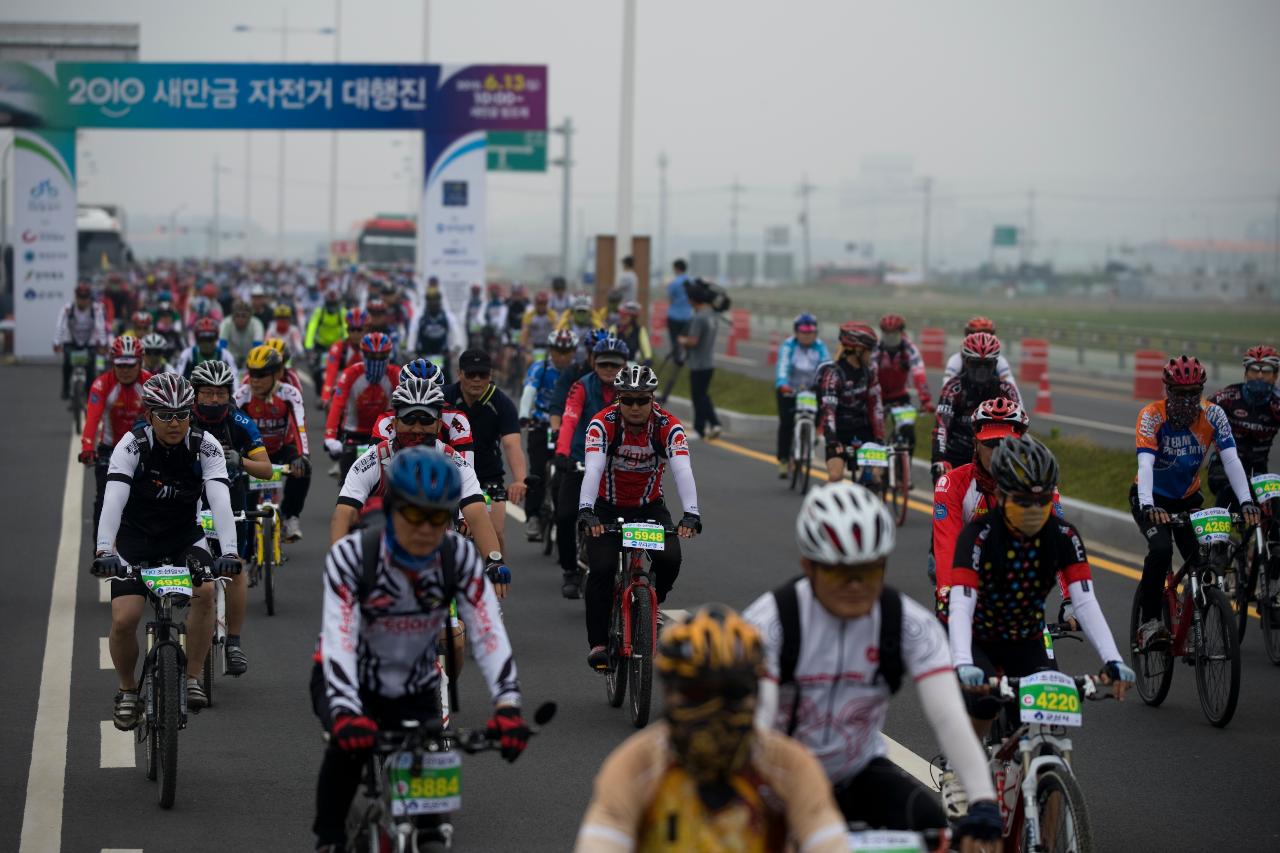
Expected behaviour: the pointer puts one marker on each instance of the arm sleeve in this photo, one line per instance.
(224, 519)
(875, 404)
(572, 414)
(93, 415)
(828, 399)
(527, 394)
(331, 369)
(783, 372)
(60, 329)
(763, 614)
(124, 461)
(341, 626)
(1089, 615)
(100, 337)
(1146, 477)
(952, 369)
(594, 461)
(682, 468)
(337, 404)
(299, 411)
(918, 375)
(646, 348)
(313, 323)
(944, 706)
(1235, 473)
(943, 417)
(948, 521)
(486, 635)
(964, 600)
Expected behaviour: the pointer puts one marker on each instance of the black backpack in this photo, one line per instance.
(712, 293)
(890, 669)
(370, 539)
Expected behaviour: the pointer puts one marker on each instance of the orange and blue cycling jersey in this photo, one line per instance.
(1180, 452)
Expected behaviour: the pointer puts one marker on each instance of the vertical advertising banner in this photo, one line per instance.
(451, 239)
(43, 235)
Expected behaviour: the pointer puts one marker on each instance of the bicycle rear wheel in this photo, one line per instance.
(1064, 820)
(1269, 615)
(1246, 582)
(1154, 669)
(803, 460)
(547, 523)
(267, 567)
(1218, 659)
(640, 663)
(206, 671)
(615, 680)
(900, 488)
(169, 684)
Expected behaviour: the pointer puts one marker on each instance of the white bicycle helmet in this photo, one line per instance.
(154, 344)
(636, 377)
(168, 391)
(415, 394)
(844, 524)
(214, 373)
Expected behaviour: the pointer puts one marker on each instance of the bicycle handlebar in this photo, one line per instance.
(469, 741)
(616, 526)
(1007, 686)
(1183, 519)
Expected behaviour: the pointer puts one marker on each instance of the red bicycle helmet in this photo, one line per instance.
(999, 417)
(892, 323)
(206, 328)
(376, 345)
(356, 319)
(1262, 357)
(1184, 372)
(857, 334)
(141, 320)
(980, 346)
(979, 324)
(125, 350)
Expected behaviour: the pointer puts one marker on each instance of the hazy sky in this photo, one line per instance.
(1131, 120)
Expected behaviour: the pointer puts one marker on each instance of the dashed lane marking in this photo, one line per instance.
(121, 850)
(104, 653)
(116, 748)
(910, 762)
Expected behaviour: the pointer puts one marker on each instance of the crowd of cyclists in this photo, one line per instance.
(435, 422)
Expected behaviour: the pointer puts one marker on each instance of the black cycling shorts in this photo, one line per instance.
(848, 438)
(1014, 658)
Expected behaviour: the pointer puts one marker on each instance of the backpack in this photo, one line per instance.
(718, 296)
(195, 437)
(890, 669)
(370, 542)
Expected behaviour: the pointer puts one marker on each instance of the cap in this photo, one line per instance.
(474, 360)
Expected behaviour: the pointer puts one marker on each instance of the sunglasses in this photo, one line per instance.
(845, 574)
(1032, 500)
(417, 418)
(635, 402)
(416, 515)
(167, 416)
(609, 365)
(477, 374)
(991, 443)
(378, 357)
(261, 374)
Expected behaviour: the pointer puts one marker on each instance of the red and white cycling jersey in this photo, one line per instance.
(368, 474)
(113, 407)
(624, 466)
(281, 417)
(357, 403)
(457, 430)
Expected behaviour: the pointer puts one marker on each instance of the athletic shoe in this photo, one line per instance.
(571, 586)
(714, 432)
(784, 469)
(237, 662)
(128, 710)
(532, 530)
(292, 529)
(598, 659)
(196, 697)
(954, 799)
(1153, 636)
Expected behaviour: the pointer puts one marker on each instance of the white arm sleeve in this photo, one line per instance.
(120, 471)
(1146, 477)
(944, 706)
(1089, 615)
(682, 468)
(594, 464)
(224, 520)
(963, 601)
(1235, 473)
(526, 401)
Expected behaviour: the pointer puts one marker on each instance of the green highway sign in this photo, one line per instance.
(1001, 235)
(518, 151)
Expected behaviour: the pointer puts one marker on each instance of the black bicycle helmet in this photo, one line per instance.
(1022, 465)
(636, 377)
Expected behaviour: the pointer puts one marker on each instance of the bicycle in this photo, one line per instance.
(1257, 571)
(266, 529)
(79, 357)
(898, 486)
(218, 648)
(1201, 621)
(164, 683)
(861, 461)
(633, 628)
(412, 783)
(803, 438)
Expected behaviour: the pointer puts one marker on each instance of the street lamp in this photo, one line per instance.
(284, 30)
(173, 230)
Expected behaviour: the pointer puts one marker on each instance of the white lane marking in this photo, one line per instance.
(910, 762)
(42, 814)
(121, 850)
(516, 513)
(116, 749)
(1088, 424)
(104, 653)
(104, 592)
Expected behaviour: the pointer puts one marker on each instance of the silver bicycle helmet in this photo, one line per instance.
(168, 391)
(215, 373)
(636, 377)
(415, 394)
(844, 524)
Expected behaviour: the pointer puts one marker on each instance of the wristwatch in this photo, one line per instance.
(495, 556)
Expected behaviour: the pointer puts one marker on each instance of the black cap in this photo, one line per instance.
(474, 361)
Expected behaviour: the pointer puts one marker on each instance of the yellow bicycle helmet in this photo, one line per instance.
(715, 647)
(282, 312)
(264, 357)
(280, 347)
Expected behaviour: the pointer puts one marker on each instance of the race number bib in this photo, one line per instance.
(165, 580)
(206, 523)
(271, 483)
(903, 415)
(432, 787)
(649, 537)
(807, 401)
(1265, 487)
(1049, 698)
(872, 455)
(884, 841)
(1211, 525)
(79, 358)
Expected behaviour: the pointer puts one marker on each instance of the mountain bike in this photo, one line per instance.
(1257, 570)
(267, 555)
(79, 357)
(1200, 619)
(860, 462)
(164, 682)
(215, 662)
(903, 442)
(803, 439)
(633, 619)
(412, 783)
(1039, 798)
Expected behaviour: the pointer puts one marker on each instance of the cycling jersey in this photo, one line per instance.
(896, 366)
(637, 340)
(325, 327)
(341, 356)
(558, 303)
(191, 356)
(586, 395)
(953, 429)
(456, 432)
(121, 405)
(495, 316)
(539, 391)
(433, 333)
(367, 476)
(850, 402)
(516, 309)
(1253, 426)
(624, 466)
(492, 417)
(797, 365)
(643, 801)
(238, 432)
(86, 328)
(1179, 453)
(956, 363)
(281, 416)
(385, 644)
(357, 402)
(538, 326)
(475, 318)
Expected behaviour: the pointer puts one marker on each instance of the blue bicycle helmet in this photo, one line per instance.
(423, 478)
(806, 320)
(422, 369)
(611, 343)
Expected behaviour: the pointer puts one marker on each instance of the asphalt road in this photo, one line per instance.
(1155, 779)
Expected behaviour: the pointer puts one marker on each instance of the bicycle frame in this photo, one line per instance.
(1028, 743)
(163, 631)
(639, 583)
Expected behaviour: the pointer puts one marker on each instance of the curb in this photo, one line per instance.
(734, 423)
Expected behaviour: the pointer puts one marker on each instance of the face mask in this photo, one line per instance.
(212, 414)
(413, 439)
(375, 369)
(282, 325)
(1182, 410)
(1027, 520)
(713, 747)
(981, 375)
(891, 340)
(1257, 391)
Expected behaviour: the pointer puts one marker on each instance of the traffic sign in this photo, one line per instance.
(517, 151)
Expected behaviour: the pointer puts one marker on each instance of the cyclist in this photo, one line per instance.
(959, 398)
(326, 327)
(283, 328)
(559, 300)
(633, 332)
(155, 354)
(435, 329)
(628, 446)
(377, 653)
(241, 331)
(165, 317)
(361, 395)
(214, 384)
(1173, 437)
(494, 335)
(157, 473)
(277, 408)
(582, 366)
(1005, 565)
(538, 323)
(534, 415)
(1252, 408)
(286, 373)
(495, 432)
(343, 353)
(799, 358)
(897, 360)
(81, 326)
(837, 643)
(587, 395)
(850, 411)
(140, 325)
(115, 405)
(474, 318)
(956, 362)
(518, 305)
(208, 347)
(580, 320)
(705, 778)
(455, 428)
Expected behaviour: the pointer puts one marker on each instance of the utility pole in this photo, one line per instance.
(566, 163)
(284, 57)
(626, 132)
(734, 190)
(927, 186)
(1029, 240)
(805, 189)
(333, 134)
(217, 214)
(656, 264)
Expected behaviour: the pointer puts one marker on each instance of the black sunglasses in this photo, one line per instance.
(1032, 500)
(417, 418)
(261, 374)
(635, 401)
(167, 416)
(477, 374)
(991, 443)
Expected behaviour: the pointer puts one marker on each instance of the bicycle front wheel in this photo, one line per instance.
(269, 533)
(900, 485)
(1063, 818)
(1218, 659)
(1154, 669)
(169, 686)
(615, 679)
(803, 459)
(640, 663)
(1269, 615)
(1246, 580)
(206, 671)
